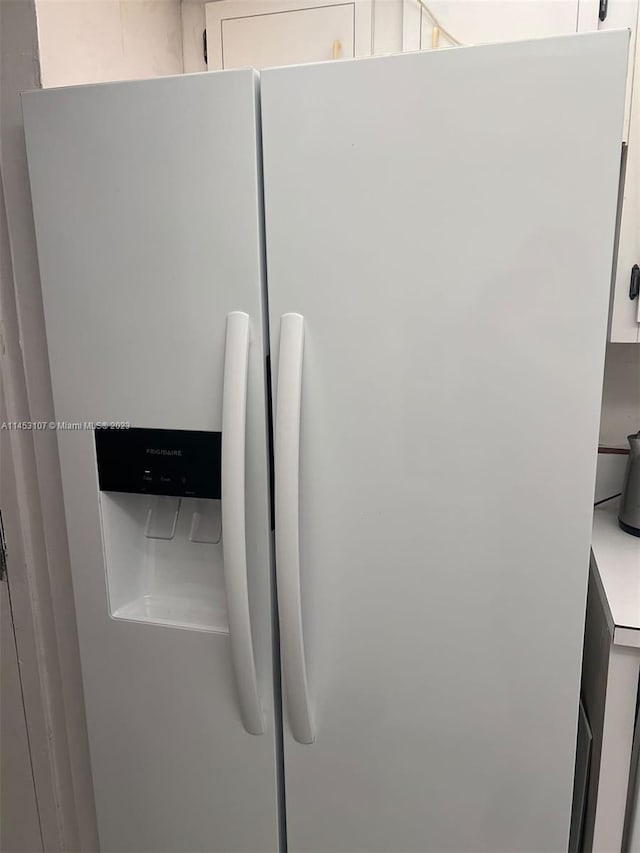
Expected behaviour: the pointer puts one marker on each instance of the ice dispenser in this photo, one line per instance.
(161, 525)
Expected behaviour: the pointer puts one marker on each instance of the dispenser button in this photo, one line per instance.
(206, 522)
(162, 517)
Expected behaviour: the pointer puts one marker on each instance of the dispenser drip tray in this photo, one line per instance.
(177, 611)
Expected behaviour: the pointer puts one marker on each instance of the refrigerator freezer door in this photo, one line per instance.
(147, 211)
(444, 222)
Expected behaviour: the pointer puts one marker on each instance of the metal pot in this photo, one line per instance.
(629, 515)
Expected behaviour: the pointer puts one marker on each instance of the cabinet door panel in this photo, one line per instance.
(267, 33)
(288, 38)
(625, 313)
(623, 14)
(486, 21)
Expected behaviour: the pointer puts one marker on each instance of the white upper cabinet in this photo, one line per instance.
(613, 15)
(484, 21)
(624, 319)
(625, 311)
(266, 33)
(443, 23)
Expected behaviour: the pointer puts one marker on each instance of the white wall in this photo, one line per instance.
(91, 41)
(621, 395)
(193, 25)
(620, 417)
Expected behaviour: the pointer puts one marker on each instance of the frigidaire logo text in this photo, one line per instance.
(162, 451)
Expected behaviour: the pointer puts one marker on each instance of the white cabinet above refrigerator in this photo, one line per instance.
(266, 33)
(624, 320)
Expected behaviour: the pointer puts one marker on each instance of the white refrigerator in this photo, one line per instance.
(403, 264)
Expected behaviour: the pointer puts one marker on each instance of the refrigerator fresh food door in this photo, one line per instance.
(147, 208)
(439, 231)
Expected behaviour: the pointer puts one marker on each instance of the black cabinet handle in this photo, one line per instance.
(634, 284)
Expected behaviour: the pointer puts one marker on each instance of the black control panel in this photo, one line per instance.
(182, 463)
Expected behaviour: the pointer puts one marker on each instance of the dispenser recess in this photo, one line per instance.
(161, 525)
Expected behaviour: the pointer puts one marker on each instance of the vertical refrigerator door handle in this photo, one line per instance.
(287, 461)
(234, 547)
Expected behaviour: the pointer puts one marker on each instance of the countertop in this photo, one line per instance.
(616, 556)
